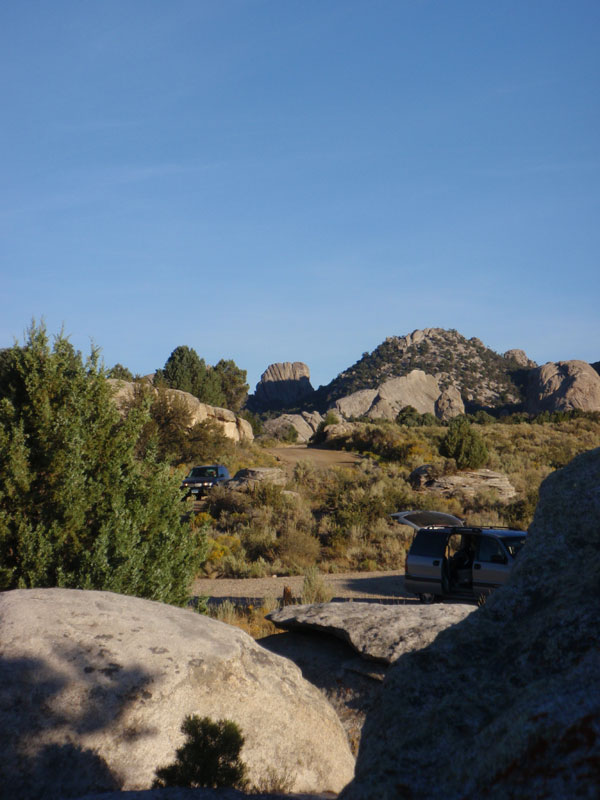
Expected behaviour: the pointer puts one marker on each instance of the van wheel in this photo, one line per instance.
(427, 598)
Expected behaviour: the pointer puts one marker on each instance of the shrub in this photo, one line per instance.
(314, 588)
(464, 445)
(79, 508)
(210, 756)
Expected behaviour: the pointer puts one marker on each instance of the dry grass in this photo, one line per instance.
(250, 618)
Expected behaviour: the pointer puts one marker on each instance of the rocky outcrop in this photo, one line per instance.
(520, 358)
(356, 404)
(563, 386)
(417, 389)
(94, 687)
(378, 632)
(247, 479)
(505, 704)
(449, 404)
(283, 385)
(305, 425)
(468, 483)
(484, 378)
(233, 427)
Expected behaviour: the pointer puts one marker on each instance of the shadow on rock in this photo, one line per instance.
(38, 717)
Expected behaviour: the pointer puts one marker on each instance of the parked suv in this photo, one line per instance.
(202, 479)
(448, 559)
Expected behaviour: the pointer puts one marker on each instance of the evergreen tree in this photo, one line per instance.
(78, 509)
(185, 370)
(120, 373)
(464, 445)
(233, 383)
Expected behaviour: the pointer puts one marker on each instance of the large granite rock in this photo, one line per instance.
(468, 483)
(356, 404)
(378, 632)
(416, 389)
(449, 404)
(94, 687)
(563, 386)
(305, 425)
(506, 704)
(233, 427)
(282, 385)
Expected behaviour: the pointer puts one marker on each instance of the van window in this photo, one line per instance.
(489, 547)
(429, 543)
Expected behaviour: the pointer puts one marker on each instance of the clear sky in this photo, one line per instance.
(295, 180)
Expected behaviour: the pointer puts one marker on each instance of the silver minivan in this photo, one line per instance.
(448, 559)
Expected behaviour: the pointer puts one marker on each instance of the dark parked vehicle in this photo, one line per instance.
(448, 559)
(202, 479)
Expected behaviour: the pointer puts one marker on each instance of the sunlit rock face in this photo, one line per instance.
(563, 386)
(505, 704)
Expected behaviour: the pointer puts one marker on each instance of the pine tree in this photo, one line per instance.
(78, 508)
(464, 445)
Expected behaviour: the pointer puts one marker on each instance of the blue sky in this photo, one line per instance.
(295, 180)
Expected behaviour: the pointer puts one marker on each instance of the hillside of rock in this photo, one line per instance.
(505, 704)
(483, 378)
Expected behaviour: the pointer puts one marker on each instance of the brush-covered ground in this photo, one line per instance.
(338, 517)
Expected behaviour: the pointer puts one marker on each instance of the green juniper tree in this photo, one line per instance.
(185, 370)
(79, 506)
(464, 445)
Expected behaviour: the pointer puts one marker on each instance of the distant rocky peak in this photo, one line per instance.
(482, 377)
(282, 385)
(519, 357)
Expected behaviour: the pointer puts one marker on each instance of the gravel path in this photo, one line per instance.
(386, 587)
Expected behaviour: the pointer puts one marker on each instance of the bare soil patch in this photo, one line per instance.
(383, 587)
(289, 456)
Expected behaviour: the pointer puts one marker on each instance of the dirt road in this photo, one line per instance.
(383, 587)
(319, 457)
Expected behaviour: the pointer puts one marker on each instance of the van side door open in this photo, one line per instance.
(425, 561)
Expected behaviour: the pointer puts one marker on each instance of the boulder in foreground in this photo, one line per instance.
(94, 687)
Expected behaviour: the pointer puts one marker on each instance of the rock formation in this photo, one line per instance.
(245, 479)
(283, 385)
(378, 632)
(356, 404)
(519, 357)
(417, 389)
(94, 687)
(468, 483)
(483, 377)
(505, 704)
(563, 386)
(233, 427)
(305, 425)
(449, 404)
